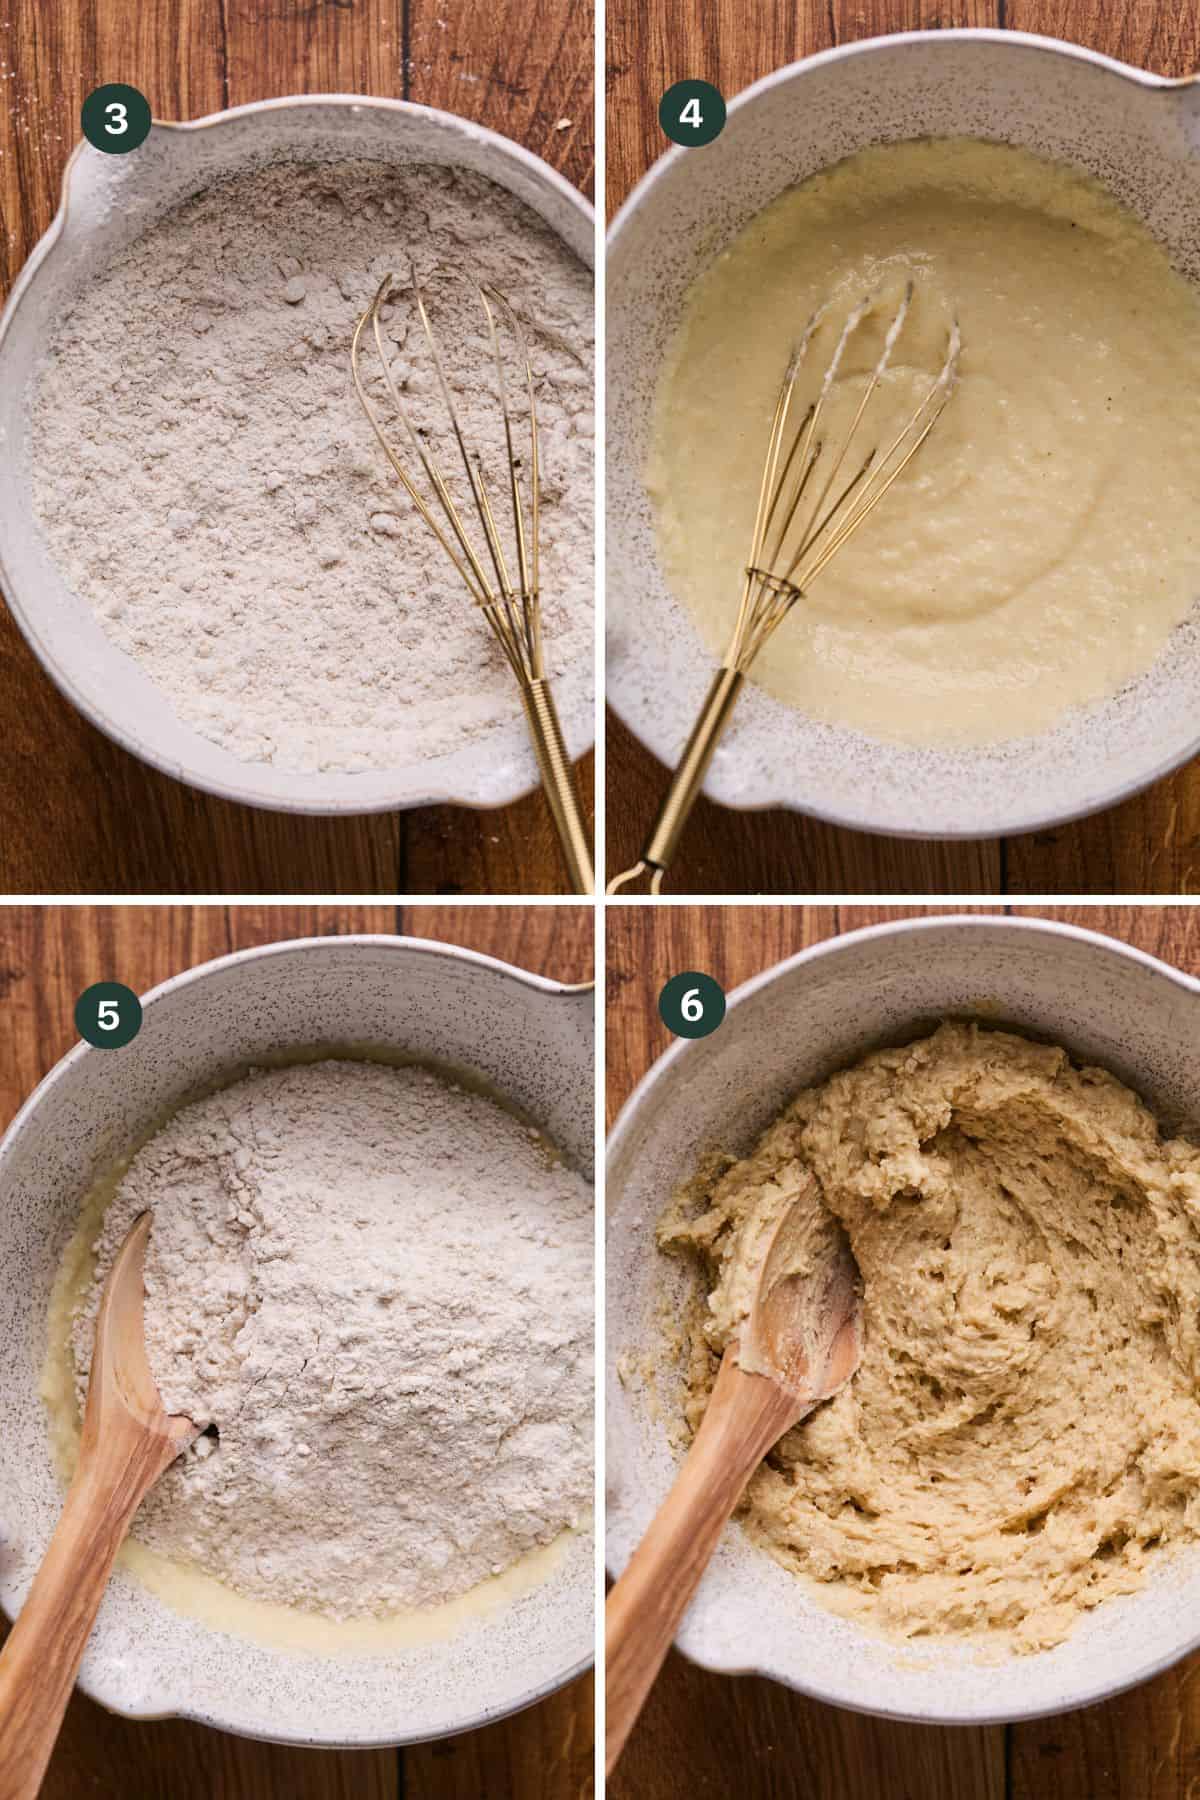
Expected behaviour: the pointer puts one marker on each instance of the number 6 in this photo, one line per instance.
(691, 1006)
(118, 118)
(108, 1016)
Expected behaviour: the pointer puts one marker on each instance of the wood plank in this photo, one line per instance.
(48, 955)
(1145, 1745)
(1145, 33)
(708, 1737)
(525, 71)
(649, 47)
(78, 815)
(545, 1754)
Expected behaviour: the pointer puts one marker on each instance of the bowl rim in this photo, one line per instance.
(488, 793)
(353, 941)
(1036, 926)
(1018, 41)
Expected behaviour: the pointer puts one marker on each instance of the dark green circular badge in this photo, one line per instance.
(691, 1005)
(692, 112)
(116, 118)
(108, 1015)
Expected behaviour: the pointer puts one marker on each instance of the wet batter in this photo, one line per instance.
(1042, 546)
(1022, 1438)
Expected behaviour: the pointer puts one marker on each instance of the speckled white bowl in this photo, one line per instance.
(793, 1025)
(533, 1040)
(1137, 133)
(107, 201)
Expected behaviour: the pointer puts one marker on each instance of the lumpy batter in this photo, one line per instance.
(1038, 552)
(1022, 1439)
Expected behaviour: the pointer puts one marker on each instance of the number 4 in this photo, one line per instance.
(691, 114)
(108, 1016)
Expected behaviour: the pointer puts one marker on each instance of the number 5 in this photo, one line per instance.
(108, 1016)
(118, 118)
(691, 116)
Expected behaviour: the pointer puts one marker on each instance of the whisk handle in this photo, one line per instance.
(692, 767)
(558, 783)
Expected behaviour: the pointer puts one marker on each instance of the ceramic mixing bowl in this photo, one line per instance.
(107, 201)
(791, 1026)
(1139, 135)
(532, 1039)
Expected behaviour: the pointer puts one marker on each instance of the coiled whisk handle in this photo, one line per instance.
(686, 782)
(558, 783)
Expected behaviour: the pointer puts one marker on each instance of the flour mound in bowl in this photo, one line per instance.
(377, 1288)
(1022, 1439)
(207, 482)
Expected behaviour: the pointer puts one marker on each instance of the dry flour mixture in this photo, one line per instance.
(377, 1289)
(207, 482)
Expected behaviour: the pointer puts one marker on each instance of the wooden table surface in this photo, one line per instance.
(47, 957)
(1151, 844)
(705, 1735)
(78, 815)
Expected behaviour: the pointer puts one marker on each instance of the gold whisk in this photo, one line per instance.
(511, 608)
(802, 520)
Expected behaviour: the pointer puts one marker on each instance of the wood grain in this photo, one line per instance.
(48, 955)
(706, 1735)
(1151, 844)
(77, 814)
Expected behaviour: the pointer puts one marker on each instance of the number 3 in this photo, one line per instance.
(691, 116)
(107, 1015)
(118, 120)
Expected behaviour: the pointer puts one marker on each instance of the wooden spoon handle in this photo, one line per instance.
(746, 1415)
(41, 1658)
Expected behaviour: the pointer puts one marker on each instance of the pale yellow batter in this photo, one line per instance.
(1040, 549)
(1022, 1439)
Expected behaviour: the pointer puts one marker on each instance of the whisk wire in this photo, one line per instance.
(779, 571)
(472, 465)
(511, 610)
(473, 580)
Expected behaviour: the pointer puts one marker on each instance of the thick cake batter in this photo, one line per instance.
(1022, 1439)
(1042, 546)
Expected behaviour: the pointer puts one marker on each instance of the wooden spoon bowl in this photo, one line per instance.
(800, 1344)
(128, 1439)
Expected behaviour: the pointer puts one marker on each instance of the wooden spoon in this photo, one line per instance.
(126, 1443)
(800, 1344)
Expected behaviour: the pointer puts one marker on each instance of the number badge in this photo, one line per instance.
(116, 118)
(108, 1015)
(692, 113)
(691, 1005)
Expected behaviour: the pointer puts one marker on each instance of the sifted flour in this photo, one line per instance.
(207, 482)
(377, 1287)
